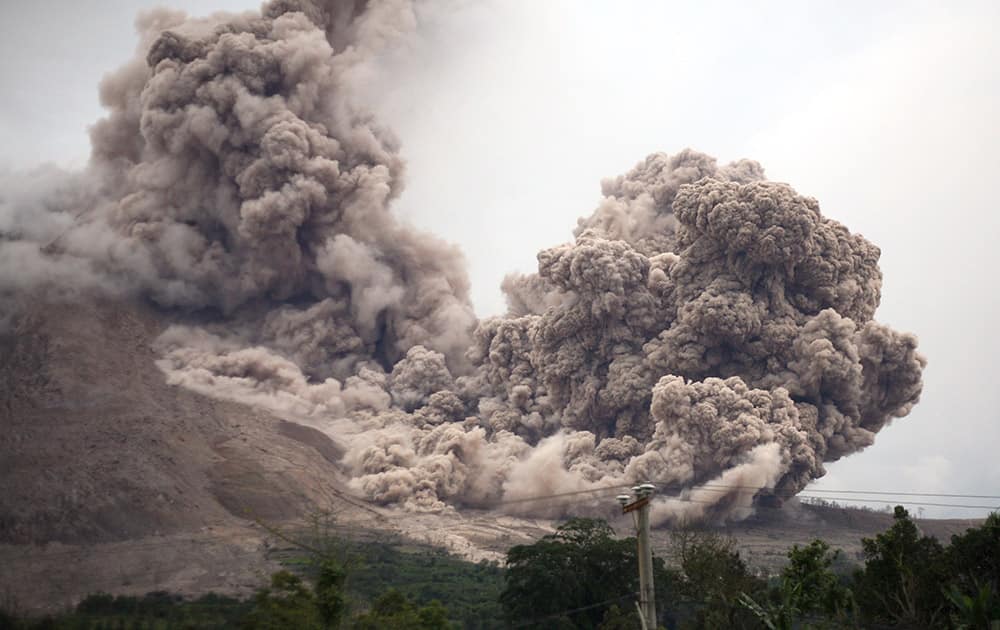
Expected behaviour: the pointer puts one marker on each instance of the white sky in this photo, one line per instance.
(511, 112)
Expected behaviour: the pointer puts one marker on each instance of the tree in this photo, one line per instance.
(329, 593)
(618, 619)
(807, 589)
(394, 611)
(323, 560)
(572, 577)
(287, 603)
(974, 560)
(904, 576)
(714, 580)
(980, 610)
(809, 572)
(975, 555)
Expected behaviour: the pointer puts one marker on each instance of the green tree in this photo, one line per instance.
(287, 603)
(904, 577)
(329, 593)
(618, 619)
(807, 589)
(809, 573)
(394, 611)
(580, 568)
(714, 580)
(975, 555)
(979, 610)
(974, 560)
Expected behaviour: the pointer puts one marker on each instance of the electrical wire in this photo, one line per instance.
(673, 487)
(543, 497)
(876, 492)
(536, 620)
(919, 504)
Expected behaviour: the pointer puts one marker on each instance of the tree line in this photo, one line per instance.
(907, 580)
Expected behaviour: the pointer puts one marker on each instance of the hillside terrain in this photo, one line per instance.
(112, 480)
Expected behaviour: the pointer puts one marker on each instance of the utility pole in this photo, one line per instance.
(640, 504)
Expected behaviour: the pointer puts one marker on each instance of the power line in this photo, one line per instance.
(672, 486)
(877, 492)
(924, 504)
(805, 496)
(536, 620)
(680, 499)
(687, 499)
(542, 497)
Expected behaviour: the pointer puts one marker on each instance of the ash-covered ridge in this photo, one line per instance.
(705, 328)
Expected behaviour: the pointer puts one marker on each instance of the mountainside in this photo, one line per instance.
(113, 480)
(96, 446)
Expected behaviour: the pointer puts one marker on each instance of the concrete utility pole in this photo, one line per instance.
(640, 504)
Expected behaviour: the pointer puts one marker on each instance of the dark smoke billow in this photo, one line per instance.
(706, 327)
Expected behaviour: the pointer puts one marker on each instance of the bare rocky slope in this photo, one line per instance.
(112, 480)
(96, 447)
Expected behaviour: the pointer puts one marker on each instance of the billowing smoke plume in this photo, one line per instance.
(233, 172)
(706, 313)
(707, 329)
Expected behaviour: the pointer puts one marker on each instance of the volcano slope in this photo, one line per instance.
(109, 467)
(97, 447)
(112, 480)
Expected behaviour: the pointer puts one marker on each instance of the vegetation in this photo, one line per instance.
(366, 586)
(903, 577)
(394, 610)
(571, 579)
(153, 611)
(808, 591)
(974, 564)
(582, 576)
(470, 591)
(713, 579)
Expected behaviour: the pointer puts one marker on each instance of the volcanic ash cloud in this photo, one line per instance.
(704, 312)
(233, 172)
(706, 329)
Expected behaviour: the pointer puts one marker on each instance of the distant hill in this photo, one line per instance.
(764, 538)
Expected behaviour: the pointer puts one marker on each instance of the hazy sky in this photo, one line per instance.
(510, 113)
